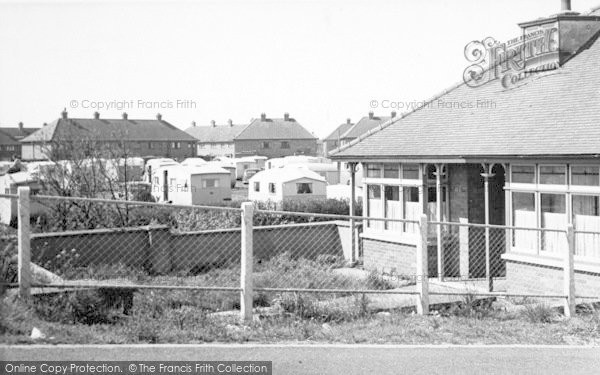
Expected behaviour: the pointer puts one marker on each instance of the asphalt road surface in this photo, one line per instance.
(340, 359)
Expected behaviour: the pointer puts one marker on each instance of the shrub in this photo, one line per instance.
(85, 307)
(8, 261)
(540, 313)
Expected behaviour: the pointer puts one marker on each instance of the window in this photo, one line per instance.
(553, 175)
(393, 207)
(410, 171)
(271, 188)
(524, 174)
(266, 145)
(412, 208)
(524, 215)
(304, 188)
(586, 218)
(374, 170)
(391, 171)
(10, 148)
(155, 180)
(553, 217)
(285, 144)
(374, 207)
(585, 176)
(210, 183)
(150, 145)
(256, 186)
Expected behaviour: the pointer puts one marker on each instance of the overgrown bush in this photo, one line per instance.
(76, 215)
(84, 307)
(540, 313)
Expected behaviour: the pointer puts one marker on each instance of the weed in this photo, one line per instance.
(539, 313)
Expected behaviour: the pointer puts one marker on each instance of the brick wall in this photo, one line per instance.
(528, 278)
(394, 257)
(255, 147)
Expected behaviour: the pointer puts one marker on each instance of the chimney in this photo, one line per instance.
(552, 41)
(348, 121)
(159, 117)
(194, 124)
(371, 114)
(213, 123)
(263, 116)
(393, 114)
(124, 115)
(96, 115)
(45, 124)
(21, 127)
(64, 114)
(286, 117)
(230, 122)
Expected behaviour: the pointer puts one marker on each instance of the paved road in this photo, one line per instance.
(335, 359)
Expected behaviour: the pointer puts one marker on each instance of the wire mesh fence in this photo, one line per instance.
(83, 241)
(300, 261)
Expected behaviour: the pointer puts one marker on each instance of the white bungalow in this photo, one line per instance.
(288, 183)
(208, 184)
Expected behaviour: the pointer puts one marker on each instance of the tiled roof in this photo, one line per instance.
(339, 132)
(549, 114)
(215, 134)
(274, 128)
(109, 129)
(364, 125)
(16, 133)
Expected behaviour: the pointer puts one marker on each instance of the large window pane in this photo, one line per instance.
(585, 176)
(374, 206)
(393, 208)
(374, 170)
(586, 218)
(524, 215)
(553, 175)
(391, 170)
(554, 217)
(524, 174)
(410, 171)
(412, 208)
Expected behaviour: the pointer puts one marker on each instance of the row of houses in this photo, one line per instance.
(268, 137)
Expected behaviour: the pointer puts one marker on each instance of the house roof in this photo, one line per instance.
(286, 174)
(215, 134)
(339, 132)
(109, 130)
(553, 113)
(274, 128)
(13, 135)
(364, 125)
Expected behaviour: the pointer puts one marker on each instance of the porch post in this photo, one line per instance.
(438, 212)
(354, 249)
(507, 207)
(486, 186)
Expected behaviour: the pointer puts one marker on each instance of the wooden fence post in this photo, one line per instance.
(422, 276)
(24, 256)
(569, 273)
(247, 259)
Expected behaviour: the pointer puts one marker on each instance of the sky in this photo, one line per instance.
(320, 61)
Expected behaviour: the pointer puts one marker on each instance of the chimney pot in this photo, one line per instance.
(96, 115)
(194, 124)
(64, 114)
(20, 126)
(286, 117)
(393, 114)
(159, 117)
(230, 122)
(213, 123)
(371, 114)
(348, 121)
(565, 5)
(124, 115)
(263, 116)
